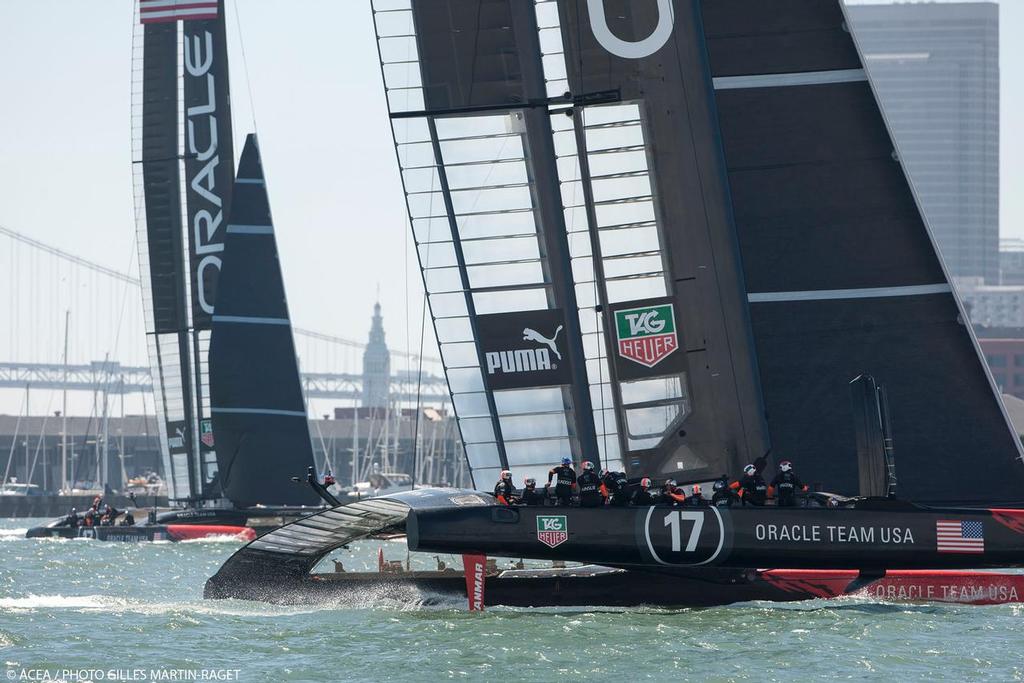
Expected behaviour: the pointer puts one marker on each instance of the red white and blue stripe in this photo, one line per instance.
(157, 11)
(959, 536)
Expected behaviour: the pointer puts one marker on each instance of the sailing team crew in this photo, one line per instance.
(565, 481)
(597, 489)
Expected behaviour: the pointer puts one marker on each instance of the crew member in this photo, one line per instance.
(642, 496)
(616, 488)
(696, 499)
(589, 483)
(723, 495)
(129, 519)
(565, 480)
(753, 490)
(786, 484)
(72, 519)
(504, 491)
(531, 496)
(90, 518)
(672, 494)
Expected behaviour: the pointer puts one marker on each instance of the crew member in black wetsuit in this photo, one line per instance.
(753, 490)
(129, 519)
(786, 484)
(531, 496)
(671, 494)
(72, 519)
(589, 483)
(565, 480)
(723, 496)
(616, 488)
(504, 491)
(696, 498)
(642, 496)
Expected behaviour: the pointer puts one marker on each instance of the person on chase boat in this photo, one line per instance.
(642, 496)
(786, 484)
(753, 490)
(504, 490)
(589, 483)
(565, 480)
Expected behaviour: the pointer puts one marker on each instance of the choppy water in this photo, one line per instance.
(112, 611)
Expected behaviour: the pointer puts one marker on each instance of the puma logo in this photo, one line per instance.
(535, 336)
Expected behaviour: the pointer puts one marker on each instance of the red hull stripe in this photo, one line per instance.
(189, 532)
(923, 585)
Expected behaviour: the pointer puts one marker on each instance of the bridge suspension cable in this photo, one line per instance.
(125, 277)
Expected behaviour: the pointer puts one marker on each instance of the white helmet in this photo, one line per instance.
(505, 474)
(749, 470)
(530, 481)
(785, 466)
(588, 466)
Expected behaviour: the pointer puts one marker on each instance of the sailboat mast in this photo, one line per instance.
(355, 442)
(64, 411)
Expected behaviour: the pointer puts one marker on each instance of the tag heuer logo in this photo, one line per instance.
(552, 530)
(646, 335)
(206, 433)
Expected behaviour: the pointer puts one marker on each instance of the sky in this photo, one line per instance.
(305, 75)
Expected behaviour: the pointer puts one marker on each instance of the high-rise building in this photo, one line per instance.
(936, 68)
(376, 365)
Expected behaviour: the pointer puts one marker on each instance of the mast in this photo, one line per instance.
(355, 441)
(64, 412)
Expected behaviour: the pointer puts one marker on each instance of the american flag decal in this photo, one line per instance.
(957, 536)
(156, 11)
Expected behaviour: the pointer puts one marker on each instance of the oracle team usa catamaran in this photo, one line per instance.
(704, 196)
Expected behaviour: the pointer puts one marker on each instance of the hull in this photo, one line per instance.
(876, 535)
(592, 586)
(145, 533)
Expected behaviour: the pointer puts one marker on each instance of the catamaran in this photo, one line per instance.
(674, 237)
(232, 415)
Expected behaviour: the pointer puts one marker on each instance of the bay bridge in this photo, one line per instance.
(331, 362)
(76, 327)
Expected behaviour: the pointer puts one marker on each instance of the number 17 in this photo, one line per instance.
(674, 520)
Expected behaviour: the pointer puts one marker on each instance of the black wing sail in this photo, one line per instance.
(259, 413)
(183, 166)
(765, 128)
(842, 274)
(554, 224)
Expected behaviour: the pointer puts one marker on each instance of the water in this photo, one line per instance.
(112, 611)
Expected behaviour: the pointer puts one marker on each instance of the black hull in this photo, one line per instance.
(588, 587)
(143, 533)
(876, 535)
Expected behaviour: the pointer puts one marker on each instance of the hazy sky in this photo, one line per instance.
(65, 155)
